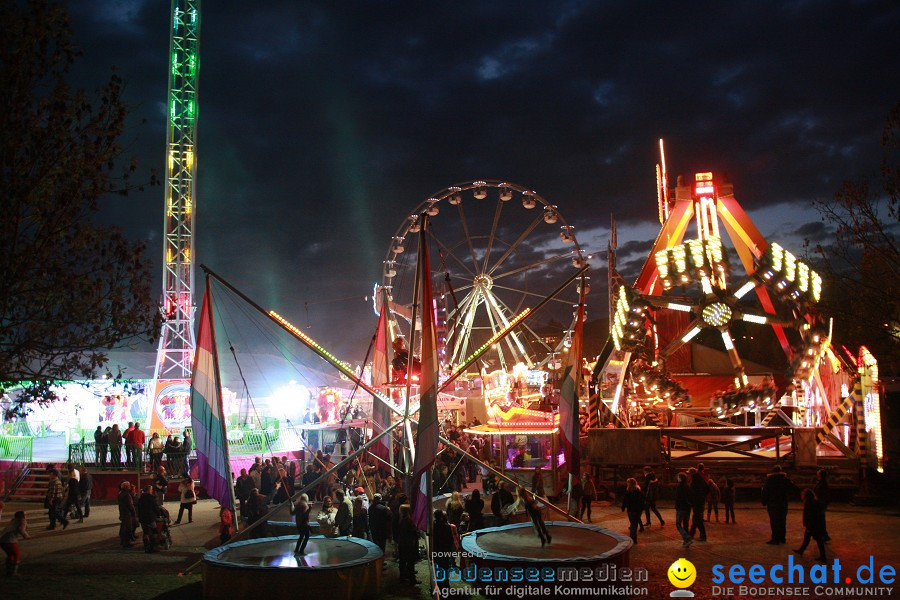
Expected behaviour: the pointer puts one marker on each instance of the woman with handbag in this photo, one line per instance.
(188, 499)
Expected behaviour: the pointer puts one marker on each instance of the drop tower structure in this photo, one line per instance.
(176, 344)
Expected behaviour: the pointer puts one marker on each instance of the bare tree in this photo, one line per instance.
(862, 261)
(70, 288)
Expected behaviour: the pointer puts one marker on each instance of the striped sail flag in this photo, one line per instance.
(568, 403)
(207, 418)
(381, 414)
(427, 436)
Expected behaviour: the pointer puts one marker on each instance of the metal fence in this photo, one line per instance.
(16, 447)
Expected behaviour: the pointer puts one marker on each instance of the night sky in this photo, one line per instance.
(323, 125)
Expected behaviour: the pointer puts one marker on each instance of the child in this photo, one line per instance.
(814, 522)
(728, 500)
(226, 525)
(9, 541)
(537, 519)
(712, 500)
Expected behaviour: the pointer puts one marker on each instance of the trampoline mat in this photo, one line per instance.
(320, 552)
(568, 543)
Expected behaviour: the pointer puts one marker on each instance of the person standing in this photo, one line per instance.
(684, 503)
(137, 446)
(301, 510)
(699, 492)
(455, 509)
(327, 517)
(243, 485)
(128, 521)
(379, 521)
(407, 545)
(115, 447)
(129, 445)
(728, 494)
(98, 438)
(85, 487)
(537, 482)
(188, 499)
(360, 519)
(226, 524)
(344, 518)
(823, 495)
(712, 500)
(474, 505)
(651, 493)
(813, 522)
(160, 486)
(148, 510)
(155, 449)
(53, 500)
(589, 494)
(187, 446)
(633, 503)
(575, 494)
(9, 541)
(104, 447)
(444, 547)
(775, 494)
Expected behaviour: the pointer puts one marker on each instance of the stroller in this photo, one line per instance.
(160, 538)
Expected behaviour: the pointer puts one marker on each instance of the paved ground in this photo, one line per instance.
(87, 561)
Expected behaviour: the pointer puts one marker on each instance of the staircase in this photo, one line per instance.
(34, 486)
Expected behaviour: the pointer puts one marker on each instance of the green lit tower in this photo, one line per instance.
(176, 344)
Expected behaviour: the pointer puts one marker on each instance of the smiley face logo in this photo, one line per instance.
(682, 573)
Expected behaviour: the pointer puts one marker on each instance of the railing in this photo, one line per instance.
(731, 442)
(14, 472)
(125, 457)
(14, 446)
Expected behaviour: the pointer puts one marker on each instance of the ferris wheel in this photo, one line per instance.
(496, 249)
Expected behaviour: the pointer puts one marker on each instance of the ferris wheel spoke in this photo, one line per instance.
(494, 330)
(512, 338)
(515, 244)
(465, 226)
(449, 252)
(453, 320)
(533, 265)
(487, 254)
(462, 343)
(527, 293)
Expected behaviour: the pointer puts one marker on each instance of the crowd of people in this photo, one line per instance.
(139, 451)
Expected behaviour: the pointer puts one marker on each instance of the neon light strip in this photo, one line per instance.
(676, 306)
(329, 357)
(754, 319)
(690, 334)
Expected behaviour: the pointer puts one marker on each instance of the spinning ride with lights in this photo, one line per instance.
(498, 248)
(695, 278)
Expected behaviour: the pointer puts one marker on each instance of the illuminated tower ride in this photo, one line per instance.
(176, 344)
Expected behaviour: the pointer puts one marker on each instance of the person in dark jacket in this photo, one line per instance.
(160, 486)
(444, 547)
(651, 493)
(73, 498)
(823, 494)
(474, 505)
(407, 536)
(633, 502)
(813, 522)
(699, 491)
(128, 521)
(684, 503)
(775, 498)
(243, 485)
(500, 500)
(728, 499)
(360, 519)
(85, 486)
(379, 521)
(148, 511)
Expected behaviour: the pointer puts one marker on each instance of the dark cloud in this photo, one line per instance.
(322, 125)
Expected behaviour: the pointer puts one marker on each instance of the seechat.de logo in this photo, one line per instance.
(682, 574)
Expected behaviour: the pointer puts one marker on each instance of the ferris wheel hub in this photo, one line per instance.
(483, 282)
